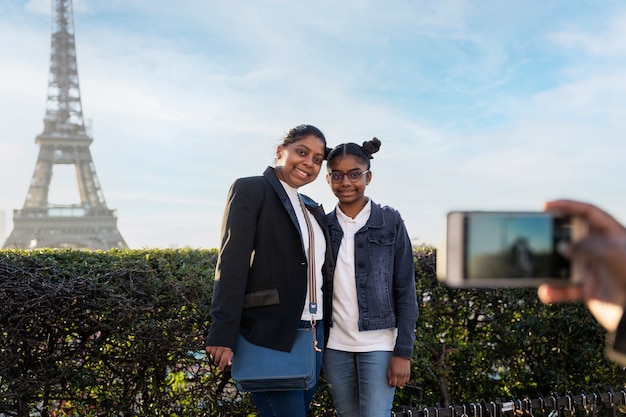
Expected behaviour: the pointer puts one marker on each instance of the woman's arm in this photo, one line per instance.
(231, 273)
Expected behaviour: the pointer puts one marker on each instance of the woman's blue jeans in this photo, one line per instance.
(358, 382)
(289, 403)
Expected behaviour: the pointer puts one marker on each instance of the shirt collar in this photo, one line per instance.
(362, 217)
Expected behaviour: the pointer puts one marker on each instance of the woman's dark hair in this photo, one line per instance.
(364, 152)
(300, 132)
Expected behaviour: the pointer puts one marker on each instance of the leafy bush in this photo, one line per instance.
(108, 333)
(122, 333)
(501, 343)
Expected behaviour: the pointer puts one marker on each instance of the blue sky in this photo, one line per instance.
(490, 104)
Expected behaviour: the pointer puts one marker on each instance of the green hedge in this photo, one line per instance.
(122, 333)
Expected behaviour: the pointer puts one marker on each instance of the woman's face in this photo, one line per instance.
(299, 163)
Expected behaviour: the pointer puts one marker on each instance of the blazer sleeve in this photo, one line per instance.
(243, 204)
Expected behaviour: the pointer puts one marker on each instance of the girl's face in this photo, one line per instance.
(299, 163)
(349, 191)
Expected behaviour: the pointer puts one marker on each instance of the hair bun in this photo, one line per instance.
(371, 147)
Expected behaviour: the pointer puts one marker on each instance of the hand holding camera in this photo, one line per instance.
(495, 249)
(573, 251)
(603, 253)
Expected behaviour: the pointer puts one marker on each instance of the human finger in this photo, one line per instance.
(606, 255)
(223, 362)
(398, 379)
(595, 247)
(221, 356)
(550, 294)
(224, 358)
(399, 371)
(597, 218)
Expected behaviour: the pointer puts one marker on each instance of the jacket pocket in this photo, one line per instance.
(384, 239)
(261, 298)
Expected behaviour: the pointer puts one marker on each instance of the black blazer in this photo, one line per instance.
(261, 273)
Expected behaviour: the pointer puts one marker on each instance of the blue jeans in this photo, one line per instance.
(358, 382)
(290, 403)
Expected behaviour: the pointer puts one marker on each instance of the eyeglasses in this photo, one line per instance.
(353, 176)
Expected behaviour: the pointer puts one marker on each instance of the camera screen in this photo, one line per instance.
(515, 245)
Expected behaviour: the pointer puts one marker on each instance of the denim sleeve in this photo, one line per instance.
(404, 291)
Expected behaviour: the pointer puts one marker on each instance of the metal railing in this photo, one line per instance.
(609, 404)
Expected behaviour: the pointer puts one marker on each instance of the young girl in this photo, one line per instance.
(374, 305)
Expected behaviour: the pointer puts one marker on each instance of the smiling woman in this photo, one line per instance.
(273, 240)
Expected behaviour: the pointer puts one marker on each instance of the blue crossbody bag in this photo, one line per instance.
(258, 368)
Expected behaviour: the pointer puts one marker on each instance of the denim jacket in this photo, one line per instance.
(384, 274)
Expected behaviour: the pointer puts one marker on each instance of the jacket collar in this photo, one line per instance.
(271, 177)
(376, 219)
(316, 209)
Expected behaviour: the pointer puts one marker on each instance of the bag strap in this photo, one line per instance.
(311, 271)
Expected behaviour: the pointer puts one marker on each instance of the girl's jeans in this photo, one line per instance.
(358, 382)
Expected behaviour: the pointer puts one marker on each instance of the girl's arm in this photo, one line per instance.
(404, 291)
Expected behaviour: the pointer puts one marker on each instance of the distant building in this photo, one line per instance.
(65, 140)
(3, 226)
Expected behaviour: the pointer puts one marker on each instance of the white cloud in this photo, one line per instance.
(474, 108)
(609, 42)
(39, 6)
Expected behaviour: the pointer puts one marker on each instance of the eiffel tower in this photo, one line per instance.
(89, 224)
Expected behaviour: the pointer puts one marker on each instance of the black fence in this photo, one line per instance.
(609, 404)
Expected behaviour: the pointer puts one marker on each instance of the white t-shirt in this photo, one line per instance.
(320, 250)
(345, 334)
